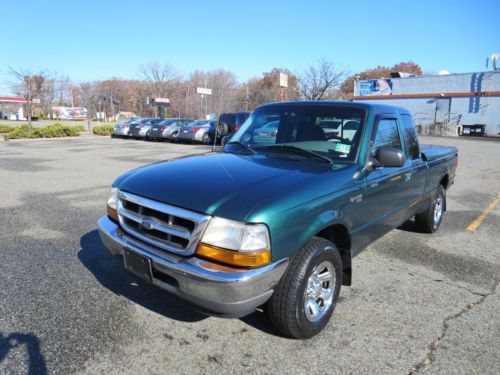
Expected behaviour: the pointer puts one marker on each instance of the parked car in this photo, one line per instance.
(141, 128)
(122, 128)
(228, 123)
(197, 131)
(267, 133)
(168, 128)
(278, 223)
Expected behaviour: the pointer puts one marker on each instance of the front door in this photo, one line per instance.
(385, 205)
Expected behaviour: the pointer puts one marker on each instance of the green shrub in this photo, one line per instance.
(51, 131)
(103, 130)
(6, 128)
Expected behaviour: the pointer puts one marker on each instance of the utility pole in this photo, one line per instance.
(247, 100)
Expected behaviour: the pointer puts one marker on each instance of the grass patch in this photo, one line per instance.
(51, 131)
(103, 130)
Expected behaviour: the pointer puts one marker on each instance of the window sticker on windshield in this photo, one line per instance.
(340, 147)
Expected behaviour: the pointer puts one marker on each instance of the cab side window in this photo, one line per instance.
(387, 134)
(410, 137)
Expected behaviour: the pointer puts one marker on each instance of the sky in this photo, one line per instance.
(95, 40)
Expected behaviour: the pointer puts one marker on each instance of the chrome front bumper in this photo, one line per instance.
(227, 293)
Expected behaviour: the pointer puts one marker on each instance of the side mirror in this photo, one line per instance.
(389, 157)
(224, 140)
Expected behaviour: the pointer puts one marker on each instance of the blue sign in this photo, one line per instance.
(375, 87)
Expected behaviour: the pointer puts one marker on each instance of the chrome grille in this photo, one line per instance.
(166, 227)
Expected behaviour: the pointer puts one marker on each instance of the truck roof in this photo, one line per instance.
(363, 105)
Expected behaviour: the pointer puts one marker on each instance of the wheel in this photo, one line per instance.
(430, 220)
(305, 298)
(206, 139)
(222, 129)
(175, 136)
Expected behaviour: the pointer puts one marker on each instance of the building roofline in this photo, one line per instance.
(434, 75)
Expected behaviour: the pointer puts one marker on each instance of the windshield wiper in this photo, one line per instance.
(244, 145)
(300, 151)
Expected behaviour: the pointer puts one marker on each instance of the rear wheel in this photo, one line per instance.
(206, 139)
(305, 298)
(430, 220)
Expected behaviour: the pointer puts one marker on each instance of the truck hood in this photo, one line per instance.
(221, 184)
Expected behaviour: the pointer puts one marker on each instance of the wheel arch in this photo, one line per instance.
(445, 180)
(340, 236)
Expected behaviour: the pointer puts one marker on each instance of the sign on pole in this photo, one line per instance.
(283, 80)
(161, 100)
(36, 100)
(203, 91)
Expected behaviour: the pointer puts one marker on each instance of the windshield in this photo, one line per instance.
(331, 131)
(167, 121)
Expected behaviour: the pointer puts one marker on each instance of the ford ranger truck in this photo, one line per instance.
(275, 218)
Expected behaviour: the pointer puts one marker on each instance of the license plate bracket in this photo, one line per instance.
(138, 265)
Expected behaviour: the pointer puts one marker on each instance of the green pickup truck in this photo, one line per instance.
(275, 217)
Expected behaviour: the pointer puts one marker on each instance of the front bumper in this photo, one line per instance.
(231, 293)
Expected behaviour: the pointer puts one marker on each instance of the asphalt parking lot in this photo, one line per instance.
(419, 303)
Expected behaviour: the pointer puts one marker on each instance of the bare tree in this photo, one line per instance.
(161, 76)
(31, 85)
(90, 94)
(321, 81)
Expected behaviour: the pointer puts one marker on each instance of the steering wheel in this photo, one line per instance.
(339, 139)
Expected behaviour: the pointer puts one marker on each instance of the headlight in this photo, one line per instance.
(111, 207)
(113, 198)
(236, 243)
(233, 235)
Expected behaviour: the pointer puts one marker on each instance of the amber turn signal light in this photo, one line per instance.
(234, 258)
(112, 213)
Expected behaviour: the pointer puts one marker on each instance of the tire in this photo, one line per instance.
(206, 139)
(222, 129)
(430, 220)
(287, 306)
(175, 136)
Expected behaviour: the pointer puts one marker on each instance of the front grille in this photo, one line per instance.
(167, 227)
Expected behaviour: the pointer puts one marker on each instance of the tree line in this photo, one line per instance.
(323, 80)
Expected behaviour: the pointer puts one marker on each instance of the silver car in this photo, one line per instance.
(142, 128)
(267, 133)
(122, 128)
(196, 131)
(168, 128)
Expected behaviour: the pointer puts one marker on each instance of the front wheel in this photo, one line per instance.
(430, 220)
(305, 298)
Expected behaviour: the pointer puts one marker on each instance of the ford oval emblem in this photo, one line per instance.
(147, 224)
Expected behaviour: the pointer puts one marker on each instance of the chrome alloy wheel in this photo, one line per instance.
(438, 209)
(318, 295)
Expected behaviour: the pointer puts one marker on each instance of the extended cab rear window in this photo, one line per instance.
(411, 138)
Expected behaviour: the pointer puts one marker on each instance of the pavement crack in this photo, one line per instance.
(431, 355)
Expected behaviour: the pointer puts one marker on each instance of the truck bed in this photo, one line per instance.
(433, 152)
